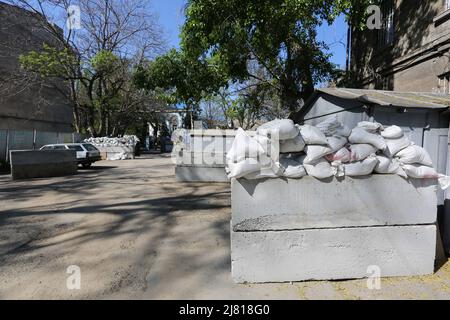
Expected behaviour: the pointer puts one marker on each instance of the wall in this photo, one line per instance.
(418, 55)
(27, 104)
(32, 140)
(326, 107)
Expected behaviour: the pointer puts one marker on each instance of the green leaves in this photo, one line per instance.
(184, 80)
(222, 39)
(50, 62)
(105, 61)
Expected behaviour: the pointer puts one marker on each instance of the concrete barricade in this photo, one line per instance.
(41, 164)
(201, 174)
(306, 229)
(331, 254)
(203, 158)
(307, 203)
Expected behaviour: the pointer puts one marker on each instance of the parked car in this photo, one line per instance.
(87, 154)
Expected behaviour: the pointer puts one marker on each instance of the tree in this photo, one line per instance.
(96, 61)
(278, 35)
(181, 80)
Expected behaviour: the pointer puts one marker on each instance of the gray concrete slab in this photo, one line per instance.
(201, 174)
(27, 164)
(331, 254)
(308, 203)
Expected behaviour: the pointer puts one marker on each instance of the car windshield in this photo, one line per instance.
(47, 148)
(90, 147)
(75, 147)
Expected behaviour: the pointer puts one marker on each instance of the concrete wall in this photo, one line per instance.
(41, 164)
(27, 105)
(202, 156)
(331, 254)
(200, 174)
(306, 229)
(289, 204)
(32, 140)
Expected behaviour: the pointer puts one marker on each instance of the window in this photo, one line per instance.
(76, 148)
(59, 148)
(386, 33)
(90, 147)
(444, 84)
(47, 148)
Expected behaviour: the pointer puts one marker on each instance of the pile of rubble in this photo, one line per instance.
(282, 149)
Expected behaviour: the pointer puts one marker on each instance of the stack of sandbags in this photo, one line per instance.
(259, 156)
(283, 149)
(325, 148)
(365, 142)
(413, 160)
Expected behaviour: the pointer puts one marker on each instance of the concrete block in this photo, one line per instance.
(327, 254)
(308, 203)
(204, 159)
(200, 174)
(41, 164)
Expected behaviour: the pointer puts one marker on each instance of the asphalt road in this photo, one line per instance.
(134, 233)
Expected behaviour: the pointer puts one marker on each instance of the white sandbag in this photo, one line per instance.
(244, 147)
(343, 131)
(387, 165)
(343, 156)
(333, 127)
(396, 145)
(284, 129)
(372, 127)
(320, 169)
(424, 172)
(296, 144)
(420, 172)
(444, 181)
(313, 135)
(392, 132)
(360, 168)
(414, 155)
(359, 135)
(315, 152)
(293, 167)
(360, 152)
(242, 168)
(272, 170)
(336, 142)
(329, 126)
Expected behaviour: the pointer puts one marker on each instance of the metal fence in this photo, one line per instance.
(32, 140)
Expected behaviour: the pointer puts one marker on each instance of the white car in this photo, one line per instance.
(87, 154)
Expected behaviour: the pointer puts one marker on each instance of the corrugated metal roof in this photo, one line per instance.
(391, 98)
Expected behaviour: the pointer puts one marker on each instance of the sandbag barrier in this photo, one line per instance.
(115, 148)
(282, 149)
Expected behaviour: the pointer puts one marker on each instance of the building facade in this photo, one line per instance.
(411, 51)
(32, 112)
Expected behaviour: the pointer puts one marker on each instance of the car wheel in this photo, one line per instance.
(86, 165)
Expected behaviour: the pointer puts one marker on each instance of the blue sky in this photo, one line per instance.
(171, 18)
